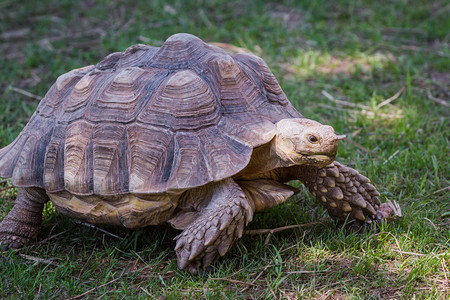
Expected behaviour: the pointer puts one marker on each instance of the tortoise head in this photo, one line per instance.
(303, 141)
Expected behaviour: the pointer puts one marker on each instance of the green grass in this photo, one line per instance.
(361, 52)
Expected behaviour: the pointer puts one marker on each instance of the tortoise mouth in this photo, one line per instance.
(317, 159)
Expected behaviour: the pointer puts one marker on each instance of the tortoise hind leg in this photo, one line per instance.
(216, 228)
(21, 226)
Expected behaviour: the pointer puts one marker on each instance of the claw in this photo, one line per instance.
(12, 242)
(231, 229)
(236, 210)
(177, 237)
(239, 231)
(209, 258)
(224, 246)
(183, 261)
(225, 221)
(211, 235)
(196, 248)
(179, 245)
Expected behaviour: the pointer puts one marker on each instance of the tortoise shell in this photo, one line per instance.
(148, 120)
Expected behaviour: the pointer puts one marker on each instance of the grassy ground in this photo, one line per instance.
(337, 63)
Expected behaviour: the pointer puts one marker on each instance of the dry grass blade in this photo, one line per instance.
(409, 253)
(308, 272)
(263, 231)
(441, 190)
(364, 112)
(93, 289)
(234, 281)
(390, 157)
(342, 102)
(102, 230)
(389, 100)
(431, 222)
(147, 292)
(39, 260)
(437, 100)
(444, 267)
(55, 235)
(25, 93)
(257, 277)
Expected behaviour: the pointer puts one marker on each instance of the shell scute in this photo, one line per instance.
(110, 166)
(78, 161)
(59, 92)
(185, 102)
(180, 51)
(122, 97)
(54, 160)
(237, 92)
(274, 93)
(148, 151)
(84, 91)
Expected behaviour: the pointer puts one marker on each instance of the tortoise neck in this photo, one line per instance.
(264, 158)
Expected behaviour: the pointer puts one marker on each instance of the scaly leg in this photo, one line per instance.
(345, 193)
(21, 226)
(216, 228)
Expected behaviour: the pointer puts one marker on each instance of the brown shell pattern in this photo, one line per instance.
(149, 120)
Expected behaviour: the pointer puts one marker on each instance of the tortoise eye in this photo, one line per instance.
(313, 139)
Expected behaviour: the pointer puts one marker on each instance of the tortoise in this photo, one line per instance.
(185, 134)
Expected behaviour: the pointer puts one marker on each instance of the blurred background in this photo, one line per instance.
(377, 71)
(306, 43)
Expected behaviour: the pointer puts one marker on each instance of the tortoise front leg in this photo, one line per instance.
(21, 226)
(216, 228)
(345, 192)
